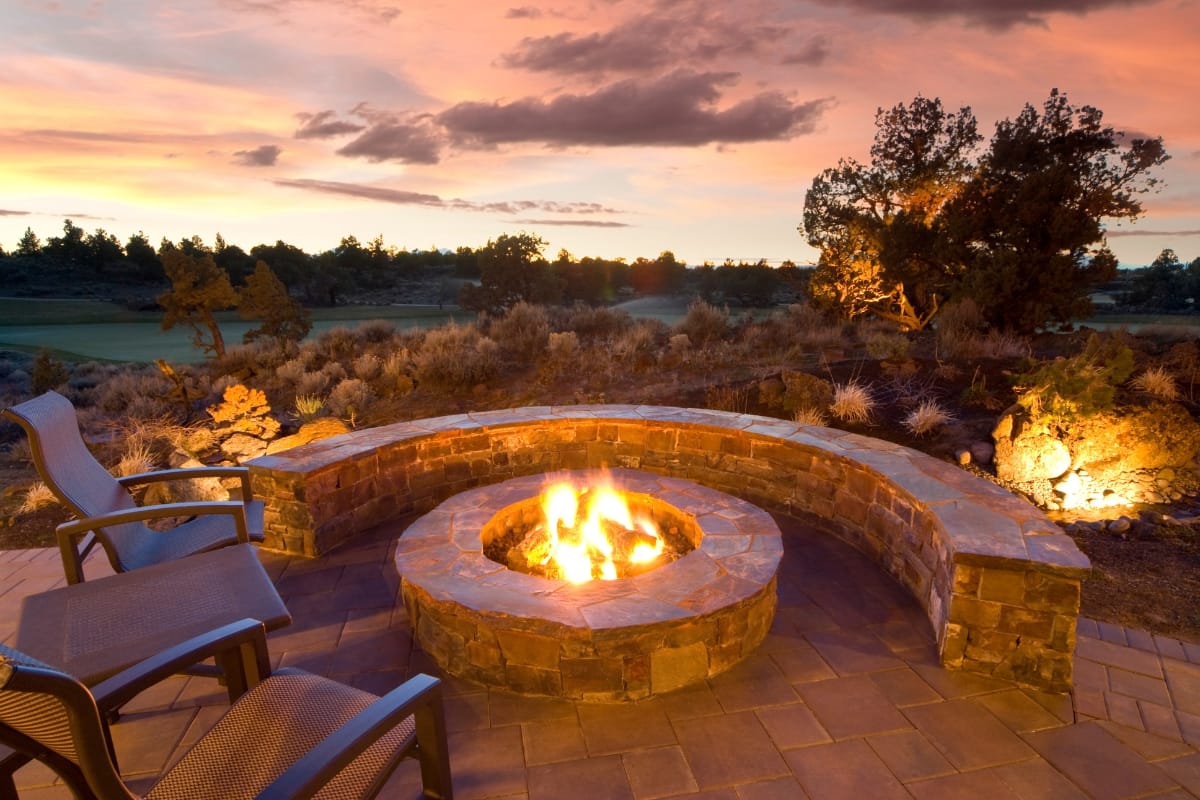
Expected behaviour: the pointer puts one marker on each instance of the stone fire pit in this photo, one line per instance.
(606, 640)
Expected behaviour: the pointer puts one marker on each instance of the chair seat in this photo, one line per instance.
(269, 729)
(198, 535)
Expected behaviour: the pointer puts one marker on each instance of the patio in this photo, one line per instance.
(845, 699)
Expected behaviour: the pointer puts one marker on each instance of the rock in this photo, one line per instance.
(1121, 524)
(963, 457)
(242, 447)
(321, 428)
(982, 452)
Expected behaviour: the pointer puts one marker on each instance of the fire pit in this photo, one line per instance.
(703, 602)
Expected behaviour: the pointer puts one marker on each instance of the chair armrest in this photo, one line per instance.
(239, 647)
(420, 695)
(235, 508)
(187, 473)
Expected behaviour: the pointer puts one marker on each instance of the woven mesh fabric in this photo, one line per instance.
(268, 730)
(41, 717)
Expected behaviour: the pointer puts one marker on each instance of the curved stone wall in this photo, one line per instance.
(998, 581)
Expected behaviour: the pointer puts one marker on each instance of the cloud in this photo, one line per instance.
(677, 109)
(323, 125)
(581, 223)
(263, 156)
(1121, 233)
(987, 13)
(410, 141)
(643, 44)
(402, 197)
(523, 12)
(812, 53)
(4, 212)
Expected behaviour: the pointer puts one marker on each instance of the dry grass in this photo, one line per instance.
(809, 415)
(1158, 383)
(853, 402)
(728, 398)
(37, 497)
(928, 417)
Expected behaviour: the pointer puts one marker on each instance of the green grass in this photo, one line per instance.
(82, 330)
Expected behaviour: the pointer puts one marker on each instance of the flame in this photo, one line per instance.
(578, 544)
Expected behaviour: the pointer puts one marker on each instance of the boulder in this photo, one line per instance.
(321, 428)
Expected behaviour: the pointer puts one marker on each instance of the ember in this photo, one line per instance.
(591, 533)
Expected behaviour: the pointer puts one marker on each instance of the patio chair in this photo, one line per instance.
(108, 513)
(293, 734)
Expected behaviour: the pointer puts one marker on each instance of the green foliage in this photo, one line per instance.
(511, 270)
(198, 288)
(1065, 389)
(47, 373)
(704, 323)
(265, 298)
(1019, 230)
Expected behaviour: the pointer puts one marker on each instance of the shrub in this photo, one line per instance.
(595, 323)
(376, 331)
(885, 345)
(367, 366)
(311, 383)
(1080, 386)
(637, 346)
(927, 418)
(307, 408)
(522, 331)
(350, 399)
(47, 373)
(810, 327)
(291, 371)
(244, 410)
(802, 390)
(456, 356)
(1157, 383)
(853, 402)
(704, 323)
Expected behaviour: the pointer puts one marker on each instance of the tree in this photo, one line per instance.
(264, 297)
(511, 270)
(1020, 229)
(232, 259)
(29, 245)
(141, 254)
(1031, 222)
(877, 225)
(1162, 286)
(198, 288)
(70, 248)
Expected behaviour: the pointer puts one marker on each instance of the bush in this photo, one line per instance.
(1069, 388)
(47, 373)
(704, 323)
(595, 323)
(853, 402)
(728, 398)
(456, 356)
(350, 399)
(522, 332)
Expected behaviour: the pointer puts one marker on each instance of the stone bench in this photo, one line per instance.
(999, 582)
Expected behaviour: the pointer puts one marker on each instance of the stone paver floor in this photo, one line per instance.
(845, 699)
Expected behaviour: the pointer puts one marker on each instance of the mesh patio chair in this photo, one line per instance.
(108, 513)
(293, 734)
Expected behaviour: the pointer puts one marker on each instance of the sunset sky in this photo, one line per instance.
(614, 128)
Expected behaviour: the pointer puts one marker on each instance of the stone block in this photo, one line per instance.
(974, 613)
(584, 676)
(1002, 585)
(675, 667)
(528, 649)
(531, 680)
(1051, 592)
(1038, 625)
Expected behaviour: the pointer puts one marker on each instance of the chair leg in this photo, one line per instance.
(8, 767)
(432, 749)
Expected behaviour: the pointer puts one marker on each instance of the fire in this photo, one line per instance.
(579, 528)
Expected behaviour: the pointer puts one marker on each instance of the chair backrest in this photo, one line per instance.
(50, 716)
(62, 459)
